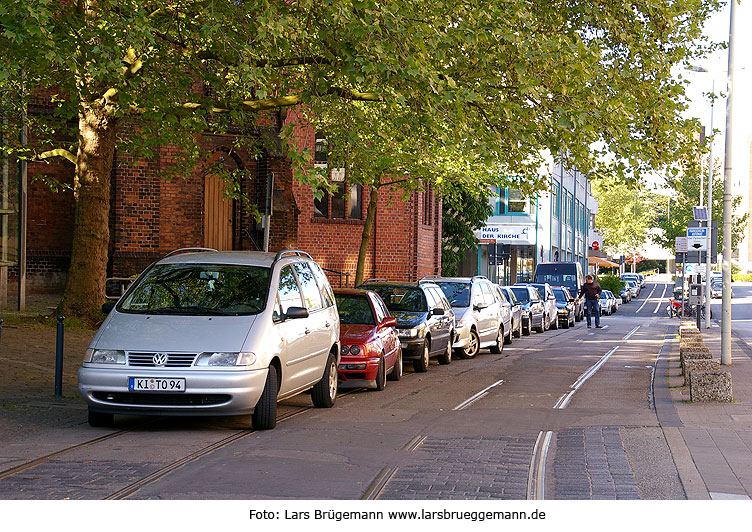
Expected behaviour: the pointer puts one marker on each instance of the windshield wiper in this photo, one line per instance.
(191, 310)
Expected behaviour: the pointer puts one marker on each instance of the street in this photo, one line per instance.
(565, 414)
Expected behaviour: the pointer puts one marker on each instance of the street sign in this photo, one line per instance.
(697, 238)
(689, 269)
(681, 244)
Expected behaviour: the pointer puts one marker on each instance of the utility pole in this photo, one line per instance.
(727, 203)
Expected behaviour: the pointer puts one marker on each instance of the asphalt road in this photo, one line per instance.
(565, 414)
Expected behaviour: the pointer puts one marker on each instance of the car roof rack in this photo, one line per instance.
(189, 250)
(294, 252)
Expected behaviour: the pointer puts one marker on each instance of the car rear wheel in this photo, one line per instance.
(565, 325)
(264, 415)
(473, 346)
(421, 365)
(396, 373)
(446, 358)
(554, 322)
(99, 419)
(381, 375)
(324, 393)
(543, 326)
(518, 332)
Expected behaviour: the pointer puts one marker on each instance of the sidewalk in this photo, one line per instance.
(711, 442)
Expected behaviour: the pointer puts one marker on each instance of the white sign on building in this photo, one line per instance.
(508, 234)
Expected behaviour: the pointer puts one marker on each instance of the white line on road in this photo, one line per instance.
(630, 333)
(480, 395)
(647, 298)
(660, 301)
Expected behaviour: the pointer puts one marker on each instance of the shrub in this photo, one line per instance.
(611, 282)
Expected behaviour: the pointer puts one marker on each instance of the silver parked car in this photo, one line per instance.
(515, 310)
(480, 318)
(549, 303)
(216, 333)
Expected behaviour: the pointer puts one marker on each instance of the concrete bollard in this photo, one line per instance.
(707, 386)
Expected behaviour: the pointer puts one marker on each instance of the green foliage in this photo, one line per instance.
(465, 210)
(411, 92)
(611, 282)
(625, 215)
(675, 213)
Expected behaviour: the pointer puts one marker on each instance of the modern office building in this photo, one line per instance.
(556, 225)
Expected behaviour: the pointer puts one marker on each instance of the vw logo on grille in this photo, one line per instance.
(160, 359)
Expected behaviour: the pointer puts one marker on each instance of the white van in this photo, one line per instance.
(215, 333)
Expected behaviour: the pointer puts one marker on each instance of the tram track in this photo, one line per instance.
(133, 487)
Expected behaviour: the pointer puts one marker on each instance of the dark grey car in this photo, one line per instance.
(425, 320)
(533, 312)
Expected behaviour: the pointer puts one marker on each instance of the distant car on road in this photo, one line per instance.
(565, 306)
(516, 310)
(549, 303)
(533, 312)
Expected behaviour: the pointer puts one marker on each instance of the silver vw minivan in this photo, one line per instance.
(202, 332)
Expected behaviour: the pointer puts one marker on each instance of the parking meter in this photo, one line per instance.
(696, 294)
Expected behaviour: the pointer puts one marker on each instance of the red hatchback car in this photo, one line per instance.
(371, 351)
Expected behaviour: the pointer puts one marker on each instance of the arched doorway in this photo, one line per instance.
(219, 211)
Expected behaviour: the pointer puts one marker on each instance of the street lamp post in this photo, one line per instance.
(709, 252)
(727, 203)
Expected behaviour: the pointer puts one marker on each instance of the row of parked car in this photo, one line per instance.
(203, 332)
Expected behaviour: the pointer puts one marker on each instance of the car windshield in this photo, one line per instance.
(354, 309)
(401, 298)
(200, 290)
(521, 293)
(458, 294)
(561, 295)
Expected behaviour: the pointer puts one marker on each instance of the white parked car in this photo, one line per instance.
(549, 303)
(216, 333)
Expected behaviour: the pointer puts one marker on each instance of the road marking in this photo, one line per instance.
(630, 333)
(647, 298)
(591, 371)
(480, 395)
(660, 301)
(536, 479)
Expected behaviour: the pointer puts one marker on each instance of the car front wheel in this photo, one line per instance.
(264, 415)
(381, 375)
(421, 365)
(446, 358)
(473, 346)
(324, 393)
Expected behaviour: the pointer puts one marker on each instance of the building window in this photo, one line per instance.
(321, 149)
(555, 191)
(427, 206)
(512, 201)
(345, 204)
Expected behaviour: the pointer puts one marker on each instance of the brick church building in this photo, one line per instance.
(151, 216)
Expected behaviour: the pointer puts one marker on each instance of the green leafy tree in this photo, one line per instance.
(675, 213)
(626, 215)
(465, 209)
(488, 86)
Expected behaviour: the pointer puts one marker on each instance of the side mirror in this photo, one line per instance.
(438, 311)
(107, 307)
(388, 322)
(294, 313)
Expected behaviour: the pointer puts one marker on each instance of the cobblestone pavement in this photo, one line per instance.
(591, 463)
(465, 469)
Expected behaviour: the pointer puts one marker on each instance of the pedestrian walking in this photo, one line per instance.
(591, 290)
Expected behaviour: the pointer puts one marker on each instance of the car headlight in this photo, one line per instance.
(408, 333)
(225, 359)
(104, 356)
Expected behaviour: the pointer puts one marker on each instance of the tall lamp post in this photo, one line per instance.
(727, 203)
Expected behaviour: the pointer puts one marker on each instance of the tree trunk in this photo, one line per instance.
(373, 201)
(85, 286)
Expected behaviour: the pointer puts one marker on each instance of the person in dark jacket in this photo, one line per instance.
(592, 291)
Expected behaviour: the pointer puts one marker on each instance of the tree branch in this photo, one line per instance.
(58, 152)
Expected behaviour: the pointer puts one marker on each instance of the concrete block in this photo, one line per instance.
(699, 364)
(710, 386)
